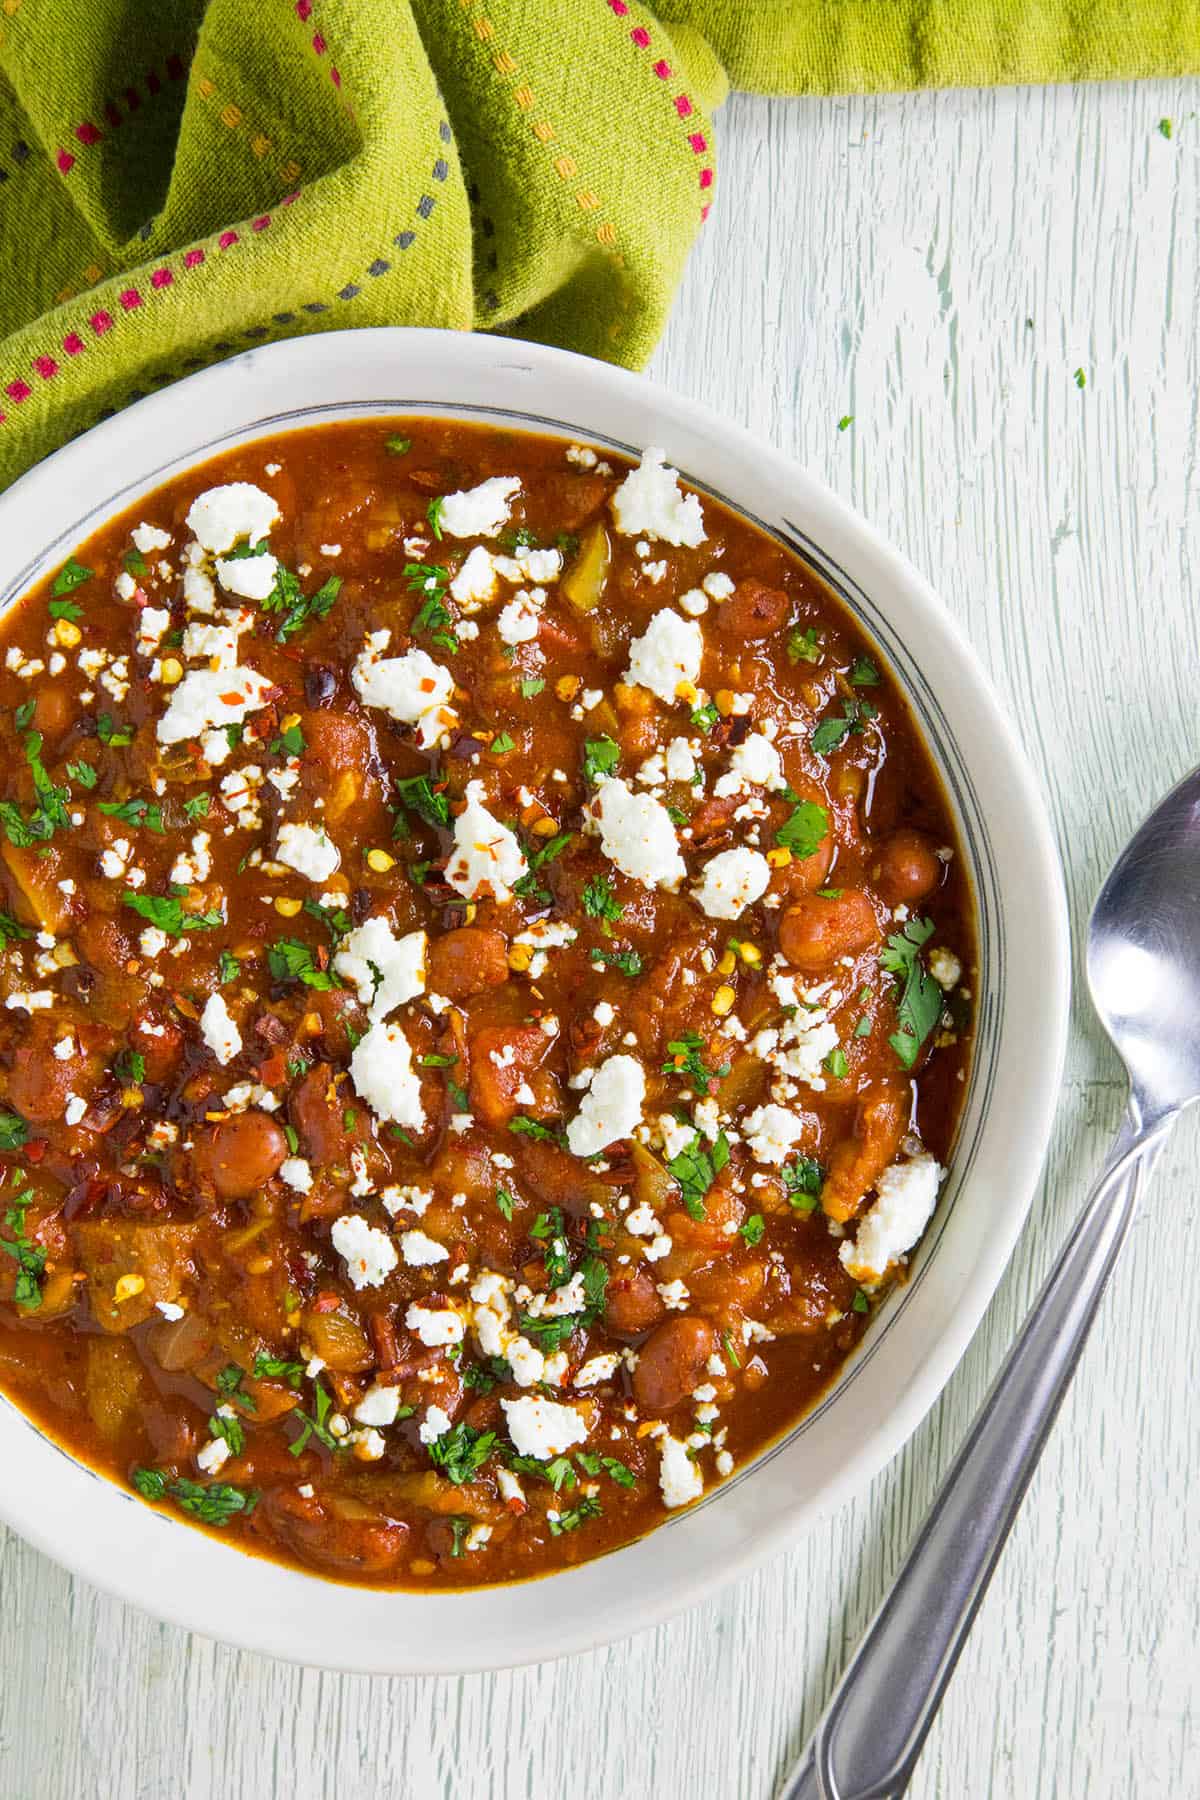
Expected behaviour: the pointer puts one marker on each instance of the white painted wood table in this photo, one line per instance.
(938, 266)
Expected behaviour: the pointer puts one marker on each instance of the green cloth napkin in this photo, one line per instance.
(179, 180)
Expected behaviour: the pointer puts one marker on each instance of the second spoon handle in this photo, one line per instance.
(868, 1741)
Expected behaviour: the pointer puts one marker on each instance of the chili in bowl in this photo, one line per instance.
(490, 978)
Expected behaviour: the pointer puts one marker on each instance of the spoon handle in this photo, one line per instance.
(870, 1736)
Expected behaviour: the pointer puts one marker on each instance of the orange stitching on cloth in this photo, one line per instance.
(565, 166)
(233, 119)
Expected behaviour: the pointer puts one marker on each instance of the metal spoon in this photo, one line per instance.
(1143, 965)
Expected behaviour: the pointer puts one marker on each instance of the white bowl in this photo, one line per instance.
(192, 1579)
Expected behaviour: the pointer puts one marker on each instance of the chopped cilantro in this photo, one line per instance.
(129, 1066)
(752, 1229)
(168, 914)
(587, 1508)
(695, 1169)
(705, 717)
(215, 1504)
(845, 422)
(11, 929)
(863, 673)
(69, 577)
(397, 446)
(29, 1257)
(502, 743)
(135, 562)
(600, 757)
(108, 733)
(461, 1452)
(684, 1060)
(531, 685)
(860, 1303)
(504, 1203)
(531, 1128)
(802, 1178)
(599, 901)
(14, 1132)
(836, 1063)
(228, 968)
(136, 811)
(419, 795)
(1080, 378)
(433, 512)
(804, 646)
(65, 609)
(278, 1368)
(831, 733)
(314, 1424)
(919, 1006)
(290, 742)
(83, 773)
(196, 807)
(804, 831)
(298, 608)
(626, 962)
(290, 960)
(49, 812)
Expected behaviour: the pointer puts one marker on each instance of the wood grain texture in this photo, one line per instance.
(938, 266)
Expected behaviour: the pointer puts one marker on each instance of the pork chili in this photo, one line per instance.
(486, 997)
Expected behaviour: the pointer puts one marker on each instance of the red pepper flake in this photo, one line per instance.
(325, 1303)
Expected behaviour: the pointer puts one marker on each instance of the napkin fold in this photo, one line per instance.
(180, 180)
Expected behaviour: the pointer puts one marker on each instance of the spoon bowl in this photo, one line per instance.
(1143, 955)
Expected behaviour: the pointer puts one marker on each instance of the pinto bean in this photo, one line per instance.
(503, 1059)
(908, 867)
(467, 961)
(317, 1109)
(671, 1362)
(240, 1154)
(814, 933)
(858, 1161)
(632, 1304)
(753, 610)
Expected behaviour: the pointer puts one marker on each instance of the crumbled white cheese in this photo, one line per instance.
(152, 622)
(543, 1428)
(475, 582)
(649, 503)
(771, 1133)
(421, 1251)
(369, 1253)
(378, 1406)
(384, 970)
(479, 511)
(679, 1478)
(611, 1108)
(251, 577)
(596, 1369)
(210, 697)
(221, 516)
(434, 1325)
(518, 621)
(637, 834)
(667, 656)
(412, 688)
(382, 1072)
(434, 1425)
(297, 1173)
(148, 538)
(308, 849)
(487, 858)
(731, 881)
(754, 762)
(212, 1456)
(945, 967)
(219, 1031)
(906, 1196)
